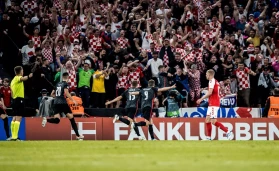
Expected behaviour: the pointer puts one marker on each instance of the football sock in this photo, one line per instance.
(16, 129)
(221, 126)
(6, 127)
(74, 126)
(53, 120)
(136, 130)
(208, 129)
(124, 120)
(141, 123)
(13, 128)
(150, 128)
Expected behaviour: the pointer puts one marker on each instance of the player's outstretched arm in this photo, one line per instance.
(134, 93)
(166, 88)
(114, 100)
(26, 77)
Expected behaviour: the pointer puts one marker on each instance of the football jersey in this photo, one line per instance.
(59, 93)
(214, 98)
(132, 100)
(147, 96)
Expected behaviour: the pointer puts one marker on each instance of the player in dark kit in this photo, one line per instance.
(147, 96)
(61, 106)
(131, 107)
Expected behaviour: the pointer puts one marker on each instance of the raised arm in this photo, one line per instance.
(166, 88)
(114, 100)
(24, 32)
(235, 11)
(25, 78)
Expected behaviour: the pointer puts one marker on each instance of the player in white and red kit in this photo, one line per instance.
(213, 107)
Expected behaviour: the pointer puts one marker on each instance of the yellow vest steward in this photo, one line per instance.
(273, 111)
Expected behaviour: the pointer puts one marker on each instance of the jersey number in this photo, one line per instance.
(58, 91)
(146, 95)
(132, 97)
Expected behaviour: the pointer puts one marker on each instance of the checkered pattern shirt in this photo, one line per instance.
(229, 46)
(56, 4)
(214, 27)
(187, 46)
(194, 56)
(122, 42)
(224, 89)
(166, 58)
(157, 45)
(47, 53)
(28, 7)
(96, 43)
(134, 76)
(72, 78)
(243, 78)
(76, 29)
(58, 49)
(36, 40)
(194, 79)
(122, 81)
(105, 7)
(201, 9)
(181, 51)
(207, 35)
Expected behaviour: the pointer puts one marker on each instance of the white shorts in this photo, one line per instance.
(212, 111)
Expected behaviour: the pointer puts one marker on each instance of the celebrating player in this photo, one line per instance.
(61, 106)
(147, 96)
(214, 104)
(17, 88)
(131, 107)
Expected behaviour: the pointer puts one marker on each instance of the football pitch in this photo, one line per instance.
(139, 155)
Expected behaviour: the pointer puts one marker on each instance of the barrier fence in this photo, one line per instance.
(164, 129)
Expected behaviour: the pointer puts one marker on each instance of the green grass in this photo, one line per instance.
(139, 155)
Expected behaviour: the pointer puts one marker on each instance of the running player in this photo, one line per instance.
(147, 97)
(17, 88)
(214, 105)
(131, 107)
(60, 105)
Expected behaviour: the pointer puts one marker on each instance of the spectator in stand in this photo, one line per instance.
(194, 82)
(6, 93)
(46, 75)
(154, 64)
(27, 52)
(265, 85)
(242, 74)
(182, 85)
(98, 87)
(71, 69)
(85, 75)
(110, 84)
(272, 102)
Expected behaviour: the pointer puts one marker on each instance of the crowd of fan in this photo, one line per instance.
(106, 44)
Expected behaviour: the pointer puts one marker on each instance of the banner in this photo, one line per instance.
(228, 101)
(237, 112)
(21, 132)
(164, 129)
